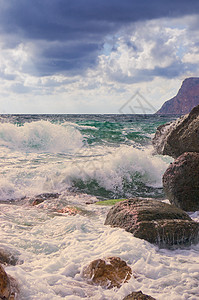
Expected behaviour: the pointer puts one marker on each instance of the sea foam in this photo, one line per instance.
(120, 170)
(54, 250)
(40, 136)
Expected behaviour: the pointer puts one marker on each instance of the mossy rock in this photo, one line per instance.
(154, 221)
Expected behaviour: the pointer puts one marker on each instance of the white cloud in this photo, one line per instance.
(152, 57)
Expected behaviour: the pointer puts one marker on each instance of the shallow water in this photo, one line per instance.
(84, 158)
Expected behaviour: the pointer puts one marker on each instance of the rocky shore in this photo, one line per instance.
(160, 223)
(156, 222)
(165, 225)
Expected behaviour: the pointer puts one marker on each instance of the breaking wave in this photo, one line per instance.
(40, 136)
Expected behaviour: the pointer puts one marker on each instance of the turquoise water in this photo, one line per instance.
(108, 156)
(84, 158)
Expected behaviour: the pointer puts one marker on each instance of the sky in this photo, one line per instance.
(95, 56)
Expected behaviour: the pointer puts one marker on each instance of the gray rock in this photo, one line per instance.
(178, 137)
(138, 296)
(154, 221)
(181, 182)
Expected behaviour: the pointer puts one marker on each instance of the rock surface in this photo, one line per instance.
(138, 296)
(181, 182)
(72, 211)
(186, 98)
(75, 210)
(178, 137)
(8, 286)
(42, 197)
(110, 272)
(154, 221)
(5, 290)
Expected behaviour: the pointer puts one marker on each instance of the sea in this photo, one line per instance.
(83, 159)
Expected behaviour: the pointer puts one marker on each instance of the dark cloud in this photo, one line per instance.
(74, 30)
(71, 57)
(145, 75)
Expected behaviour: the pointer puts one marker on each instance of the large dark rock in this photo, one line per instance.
(154, 221)
(110, 272)
(178, 137)
(181, 182)
(138, 296)
(186, 98)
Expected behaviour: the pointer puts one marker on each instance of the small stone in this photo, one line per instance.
(138, 296)
(37, 201)
(72, 211)
(108, 273)
(42, 197)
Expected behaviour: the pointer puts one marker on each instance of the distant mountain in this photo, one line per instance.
(186, 98)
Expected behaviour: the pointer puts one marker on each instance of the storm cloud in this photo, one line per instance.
(64, 36)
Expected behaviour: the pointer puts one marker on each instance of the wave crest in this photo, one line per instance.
(40, 136)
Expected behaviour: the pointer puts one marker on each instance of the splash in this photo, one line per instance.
(40, 136)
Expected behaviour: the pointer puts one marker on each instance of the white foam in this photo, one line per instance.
(40, 136)
(55, 250)
(43, 157)
(111, 169)
(27, 174)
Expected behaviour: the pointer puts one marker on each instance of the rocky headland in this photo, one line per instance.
(185, 100)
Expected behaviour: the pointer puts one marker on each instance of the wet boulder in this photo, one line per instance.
(181, 182)
(180, 136)
(154, 221)
(108, 273)
(5, 289)
(8, 286)
(138, 296)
